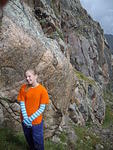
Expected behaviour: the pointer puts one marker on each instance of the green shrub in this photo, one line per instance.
(86, 139)
(108, 116)
(108, 98)
(9, 140)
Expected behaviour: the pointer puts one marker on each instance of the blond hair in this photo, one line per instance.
(33, 70)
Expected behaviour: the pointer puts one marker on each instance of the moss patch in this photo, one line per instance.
(81, 76)
(60, 33)
(108, 117)
(43, 22)
(108, 98)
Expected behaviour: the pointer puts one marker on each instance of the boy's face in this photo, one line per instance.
(30, 77)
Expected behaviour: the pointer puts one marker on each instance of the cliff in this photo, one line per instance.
(109, 38)
(71, 56)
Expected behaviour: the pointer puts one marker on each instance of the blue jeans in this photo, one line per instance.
(34, 136)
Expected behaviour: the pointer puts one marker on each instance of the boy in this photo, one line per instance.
(33, 97)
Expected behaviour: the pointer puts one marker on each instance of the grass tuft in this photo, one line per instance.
(9, 140)
(86, 140)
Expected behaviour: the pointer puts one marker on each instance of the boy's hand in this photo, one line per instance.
(27, 122)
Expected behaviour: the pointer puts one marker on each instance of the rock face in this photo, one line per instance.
(22, 48)
(109, 39)
(66, 47)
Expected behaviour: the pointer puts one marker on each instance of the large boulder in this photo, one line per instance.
(24, 45)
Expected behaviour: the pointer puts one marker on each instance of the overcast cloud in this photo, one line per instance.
(101, 11)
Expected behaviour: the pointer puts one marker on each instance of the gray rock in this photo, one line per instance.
(1, 115)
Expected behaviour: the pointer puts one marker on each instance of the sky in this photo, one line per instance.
(101, 11)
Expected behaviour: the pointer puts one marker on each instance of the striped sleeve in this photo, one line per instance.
(37, 113)
(23, 110)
